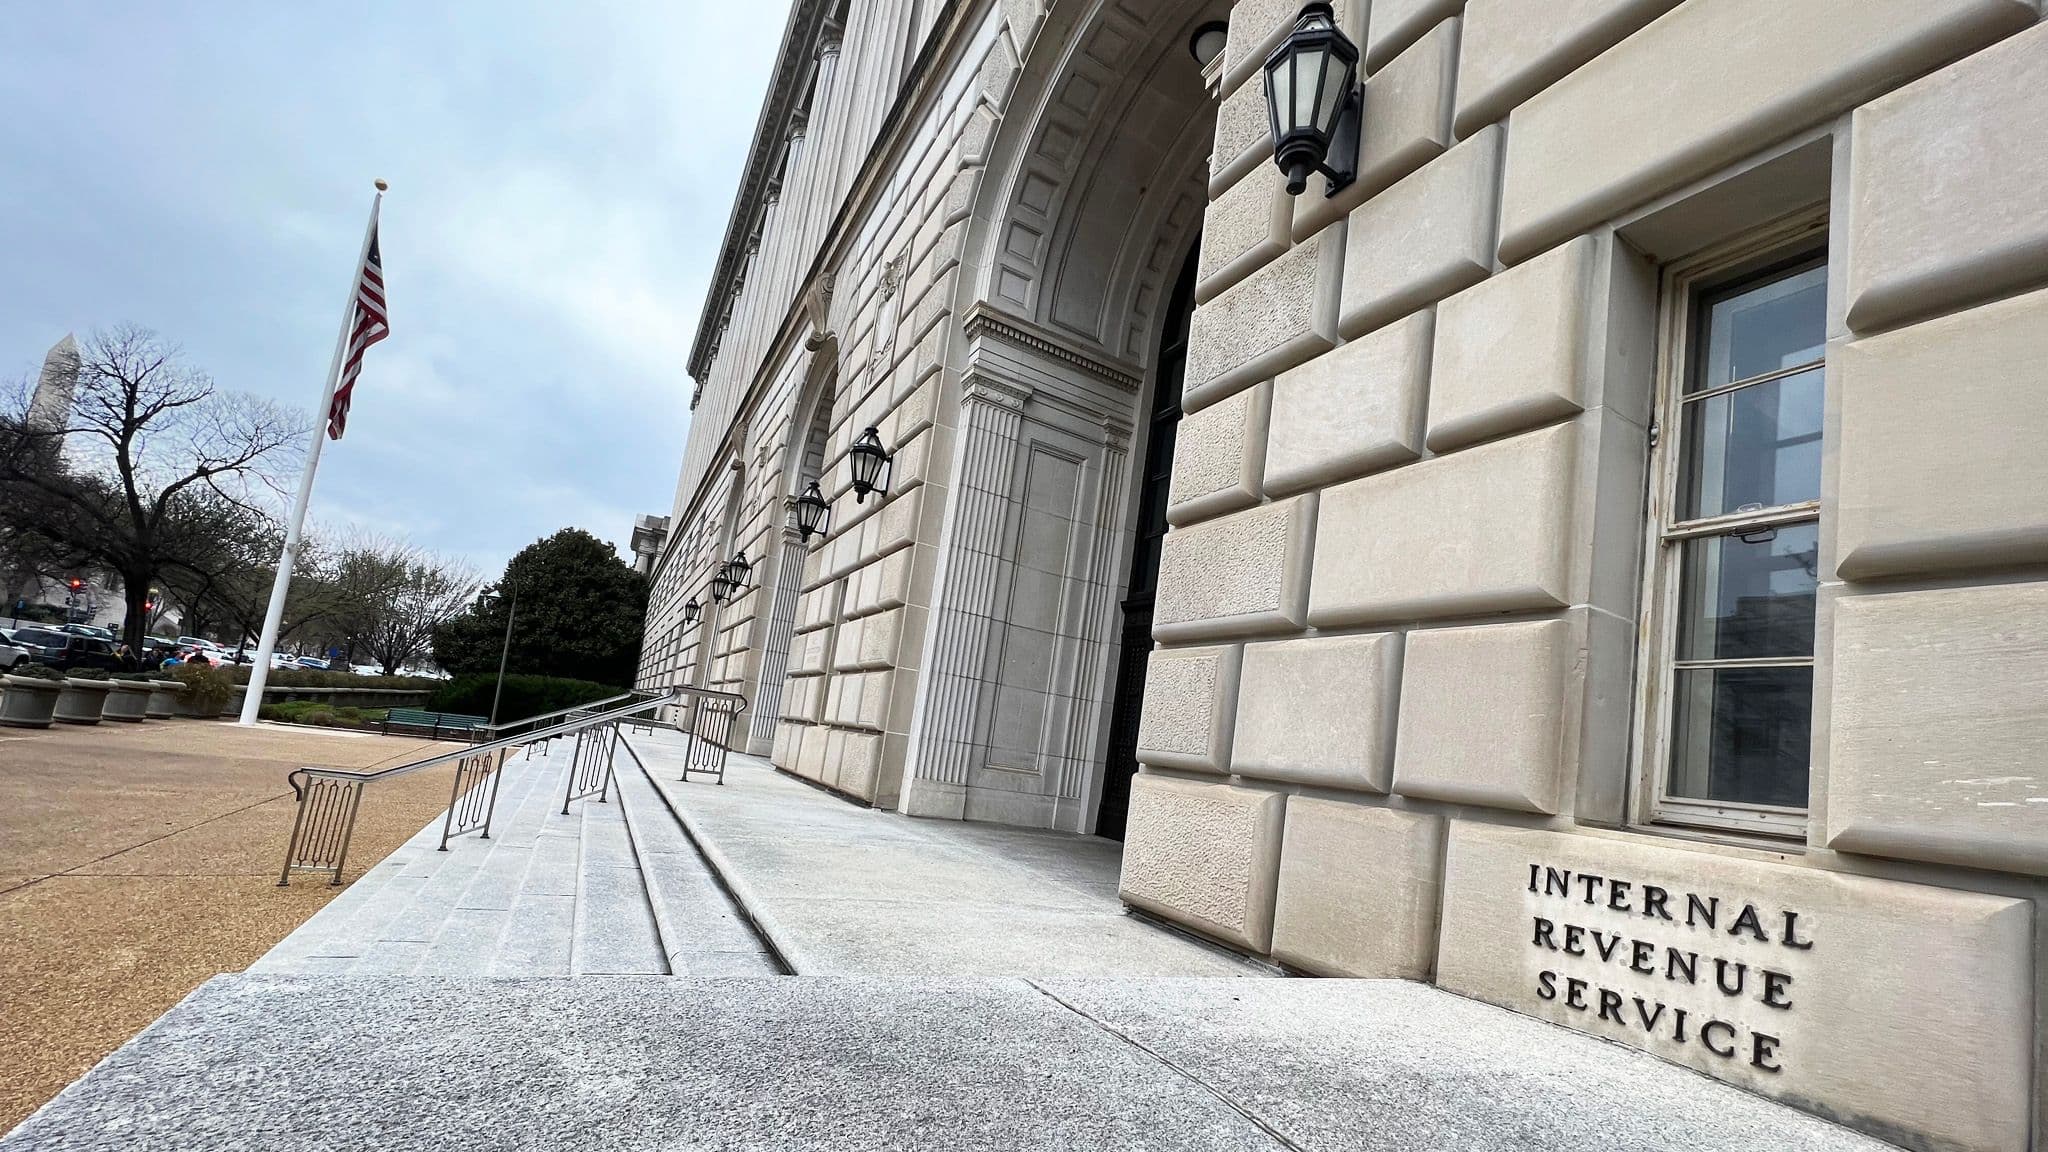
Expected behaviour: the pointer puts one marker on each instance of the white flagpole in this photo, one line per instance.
(259, 672)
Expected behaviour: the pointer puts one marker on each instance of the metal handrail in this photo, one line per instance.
(572, 709)
(328, 798)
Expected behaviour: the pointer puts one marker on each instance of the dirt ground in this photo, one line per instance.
(136, 861)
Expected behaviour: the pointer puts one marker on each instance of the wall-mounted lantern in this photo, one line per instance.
(731, 578)
(1207, 42)
(872, 467)
(810, 512)
(692, 612)
(1313, 101)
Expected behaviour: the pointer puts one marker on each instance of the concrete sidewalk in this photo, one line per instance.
(843, 890)
(255, 1063)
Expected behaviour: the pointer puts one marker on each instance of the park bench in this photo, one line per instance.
(435, 724)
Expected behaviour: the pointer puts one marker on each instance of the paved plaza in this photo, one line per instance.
(614, 978)
(137, 861)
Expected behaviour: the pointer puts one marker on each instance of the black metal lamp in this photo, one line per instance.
(731, 578)
(1207, 42)
(1313, 100)
(810, 512)
(869, 459)
(691, 612)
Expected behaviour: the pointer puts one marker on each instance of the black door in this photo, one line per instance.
(1129, 701)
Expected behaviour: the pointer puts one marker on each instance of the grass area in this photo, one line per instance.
(321, 715)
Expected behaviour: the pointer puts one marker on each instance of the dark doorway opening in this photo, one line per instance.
(1128, 703)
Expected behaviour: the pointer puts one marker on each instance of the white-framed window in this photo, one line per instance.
(1734, 530)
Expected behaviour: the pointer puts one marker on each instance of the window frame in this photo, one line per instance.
(1687, 289)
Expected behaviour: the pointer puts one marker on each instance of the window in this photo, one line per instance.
(1734, 540)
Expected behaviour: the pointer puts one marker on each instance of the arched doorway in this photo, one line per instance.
(1155, 479)
(810, 434)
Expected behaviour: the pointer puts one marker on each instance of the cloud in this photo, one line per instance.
(561, 177)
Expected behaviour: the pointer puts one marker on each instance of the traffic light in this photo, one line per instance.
(77, 585)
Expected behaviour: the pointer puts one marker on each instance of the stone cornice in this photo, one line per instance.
(786, 90)
(986, 322)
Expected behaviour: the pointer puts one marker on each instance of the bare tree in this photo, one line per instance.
(147, 436)
(432, 592)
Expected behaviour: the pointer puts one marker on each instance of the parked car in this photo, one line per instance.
(11, 654)
(312, 663)
(367, 669)
(89, 630)
(64, 650)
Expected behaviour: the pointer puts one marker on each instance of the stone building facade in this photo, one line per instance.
(1595, 562)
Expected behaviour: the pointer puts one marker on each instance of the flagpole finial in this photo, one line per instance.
(382, 186)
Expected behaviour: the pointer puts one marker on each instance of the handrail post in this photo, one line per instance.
(291, 848)
(348, 831)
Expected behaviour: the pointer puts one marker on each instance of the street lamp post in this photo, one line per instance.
(505, 650)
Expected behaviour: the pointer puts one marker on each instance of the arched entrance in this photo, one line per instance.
(1090, 202)
(1155, 479)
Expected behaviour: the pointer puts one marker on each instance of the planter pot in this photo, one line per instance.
(28, 703)
(128, 702)
(83, 701)
(163, 698)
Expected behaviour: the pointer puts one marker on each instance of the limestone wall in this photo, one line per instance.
(865, 590)
(1395, 723)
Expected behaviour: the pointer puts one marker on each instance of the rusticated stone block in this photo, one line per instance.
(1244, 137)
(1405, 122)
(1204, 855)
(1396, 24)
(1488, 529)
(1512, 352)
(1504, 754)
(1245, 227)
(1916, 404)
(1245, 574)
(1830, 974)
(1219, 458)
(1319, 711)
(1272, 320)
(1511, 50)
(1423, 239)
(1351, 411)
(1945, 179)
(1190, 707)
(1937, 726)
(1657, 109)
(1358, 889)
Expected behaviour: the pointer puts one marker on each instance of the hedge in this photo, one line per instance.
(524, 695)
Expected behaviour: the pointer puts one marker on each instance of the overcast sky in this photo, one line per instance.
(561, 176)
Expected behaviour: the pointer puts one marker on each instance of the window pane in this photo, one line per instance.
(1741, 734)
(1754, 447)
(1766, 329)
(1748, 598)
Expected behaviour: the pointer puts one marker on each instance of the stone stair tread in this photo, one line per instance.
(695, 915)
(616, 934)
(537, 938)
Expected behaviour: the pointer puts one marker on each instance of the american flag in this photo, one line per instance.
(370, 325)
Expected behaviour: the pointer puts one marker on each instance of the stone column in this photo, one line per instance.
(789, 577)
(991, 417)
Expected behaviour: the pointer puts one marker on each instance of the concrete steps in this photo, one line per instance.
(611, 888)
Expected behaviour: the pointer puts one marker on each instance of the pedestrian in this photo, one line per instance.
(199, 658)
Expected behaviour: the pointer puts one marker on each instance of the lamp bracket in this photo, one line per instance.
(1341, 163)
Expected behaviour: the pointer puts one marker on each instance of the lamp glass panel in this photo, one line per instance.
(1308, 69)
(1336, 81)
(1280, 92)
